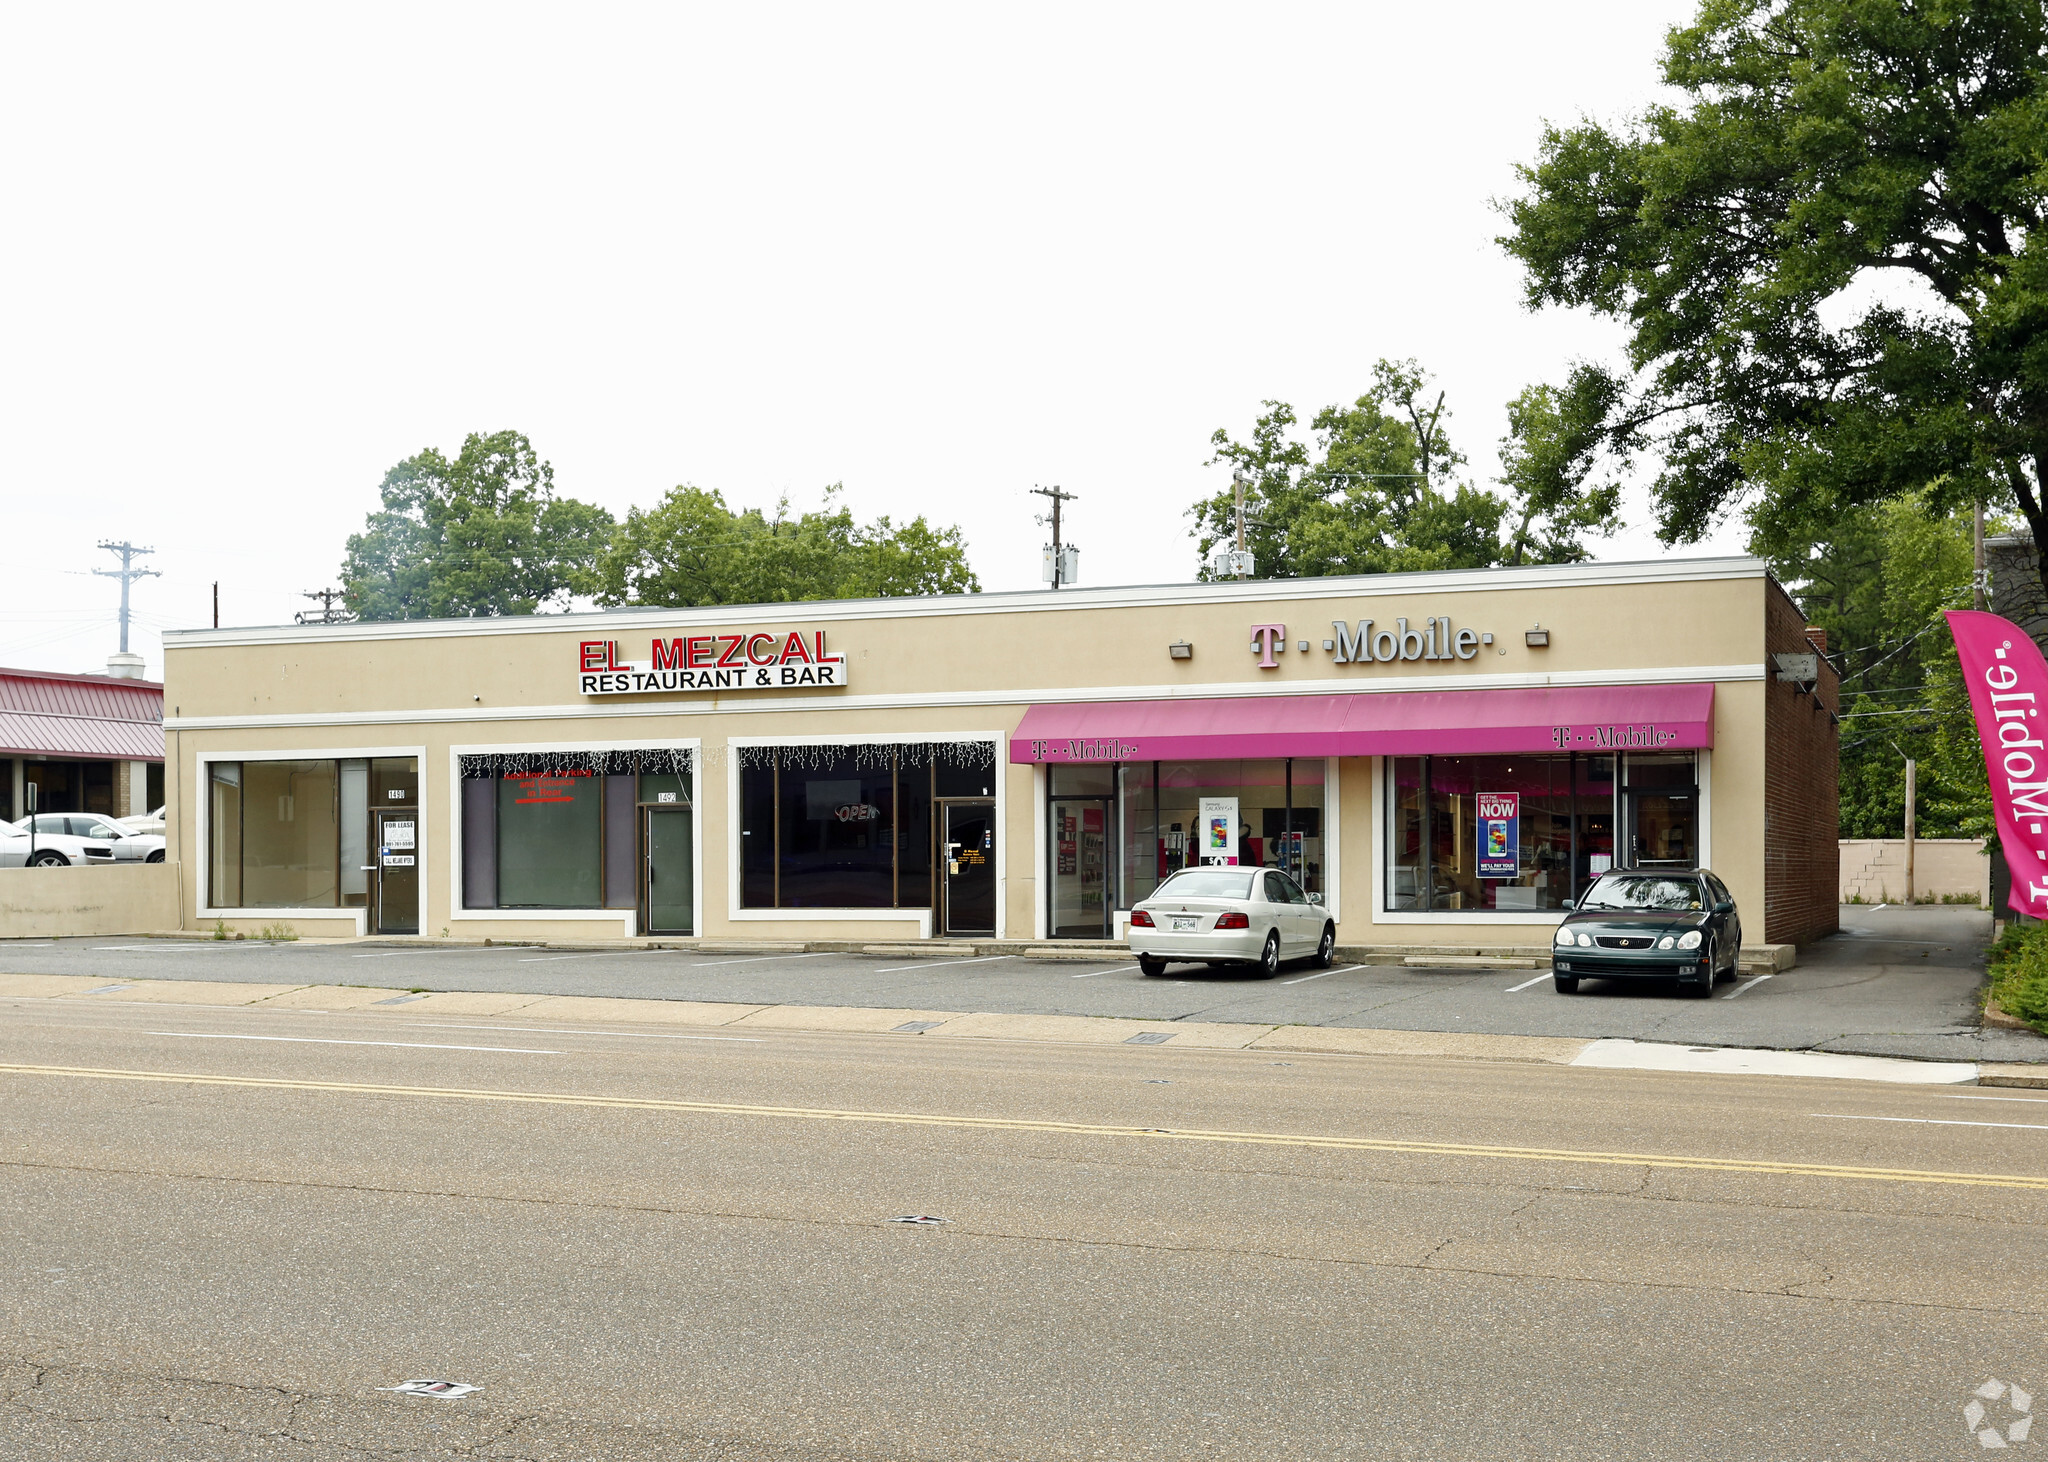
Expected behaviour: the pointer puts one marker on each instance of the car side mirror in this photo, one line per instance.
(1566, 904)
(1315, 898)
(1724, 907)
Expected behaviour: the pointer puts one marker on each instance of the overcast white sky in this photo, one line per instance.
(255, 255)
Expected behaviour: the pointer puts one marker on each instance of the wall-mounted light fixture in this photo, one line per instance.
(1537, 638)
(1181, 650)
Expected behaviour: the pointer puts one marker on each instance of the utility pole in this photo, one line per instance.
(1978, 582)
(127, 575)
(1912, 776)
(1237, 483)
(1060, 496)
(216, 603)
(328, 614)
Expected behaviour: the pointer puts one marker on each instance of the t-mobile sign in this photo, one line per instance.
(1500, 834)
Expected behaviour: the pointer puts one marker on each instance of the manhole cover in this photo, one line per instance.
(1150, 1038)
(918, 1027)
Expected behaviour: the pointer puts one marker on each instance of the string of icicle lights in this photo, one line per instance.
(865, 756)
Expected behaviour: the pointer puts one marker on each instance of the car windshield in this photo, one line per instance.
(1206, 883)
(1644, 891)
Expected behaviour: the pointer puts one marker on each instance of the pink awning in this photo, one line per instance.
(1403, 723)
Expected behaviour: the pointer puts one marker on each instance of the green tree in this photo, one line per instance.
(481, 534)
(1876, 577)
(690, 548)
(1373, 494)
(1829, 255)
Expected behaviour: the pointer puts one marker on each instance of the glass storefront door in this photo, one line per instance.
(668, 881)
(397, 871)
(1662, 828)
(1081, 895)
(968, 865)
(1661, 811)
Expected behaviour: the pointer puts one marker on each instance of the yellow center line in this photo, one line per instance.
(1071, 1129)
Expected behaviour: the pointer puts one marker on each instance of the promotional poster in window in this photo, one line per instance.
(1500, 834)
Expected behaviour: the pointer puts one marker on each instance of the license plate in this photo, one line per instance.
(1182, 925)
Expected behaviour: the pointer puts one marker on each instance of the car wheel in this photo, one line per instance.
(1147, 965)
(1269, 957)
(156, 857)
(49, 858)
(1326, 952)
(1565, 984)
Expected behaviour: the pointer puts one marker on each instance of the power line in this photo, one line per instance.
(328, 599)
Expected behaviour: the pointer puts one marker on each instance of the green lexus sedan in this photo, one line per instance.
(1634, 924)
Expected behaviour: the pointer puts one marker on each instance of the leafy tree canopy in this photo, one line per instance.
(482, 534)
(1876, 577)
(1829, 255)
(690, 548)
(1373, 493)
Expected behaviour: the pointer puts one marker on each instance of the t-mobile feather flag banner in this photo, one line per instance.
(2008, 688)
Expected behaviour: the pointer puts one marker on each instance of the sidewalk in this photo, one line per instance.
(517, 1012)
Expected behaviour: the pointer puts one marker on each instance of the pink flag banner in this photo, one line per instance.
(2008, 688)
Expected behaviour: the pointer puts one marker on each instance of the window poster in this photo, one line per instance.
(1217, 829)
(1500, 834)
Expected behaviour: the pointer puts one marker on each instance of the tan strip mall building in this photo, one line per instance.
(1444, 758)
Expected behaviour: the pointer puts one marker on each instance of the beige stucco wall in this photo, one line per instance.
(956, 667)
(1874, 869)
(39, 903)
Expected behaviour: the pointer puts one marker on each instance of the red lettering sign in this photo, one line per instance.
(794, 648)
(595, 653)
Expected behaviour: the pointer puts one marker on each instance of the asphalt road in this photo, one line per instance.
(1895, 982)
(228, 1229)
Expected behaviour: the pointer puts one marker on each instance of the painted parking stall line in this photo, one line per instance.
(1746, 986)
(1933, 1121)
(1515, 989)
(933, 964)
(752, 959)
(1322, 975)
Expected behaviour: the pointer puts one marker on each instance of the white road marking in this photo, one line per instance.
(1527, 983)
(752, 959)
(936, 963)
(399, 953)
(1625, 1055)
(541, 959)
(1933, 1121)
(1958, 1096)
(548, 1030)
(324, 1041)
(1091, 974)
(1745, 985)
(1306, 978)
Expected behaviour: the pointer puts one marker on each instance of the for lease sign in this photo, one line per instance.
(759, 660)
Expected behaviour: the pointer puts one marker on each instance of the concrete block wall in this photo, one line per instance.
(1874, 869)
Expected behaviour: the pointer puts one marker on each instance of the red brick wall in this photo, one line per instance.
(1802, 850)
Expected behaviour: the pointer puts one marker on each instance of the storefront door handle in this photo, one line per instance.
(368, 868)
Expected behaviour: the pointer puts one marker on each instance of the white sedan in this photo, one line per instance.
(49, 850)
(129, 845)
(1216, 916)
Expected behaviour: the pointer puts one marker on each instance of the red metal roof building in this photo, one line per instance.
(88, 743)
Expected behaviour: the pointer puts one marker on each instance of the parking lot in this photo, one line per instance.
(1895, 981)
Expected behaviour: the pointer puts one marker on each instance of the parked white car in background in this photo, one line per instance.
(1225, 915)
(147, 822)
(129, 846)
(50, 850)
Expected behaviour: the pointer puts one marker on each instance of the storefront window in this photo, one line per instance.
(1515, 834)
(1272, 811)
(568, 830)
(550, 841)
(849, 827)
(277, 832)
